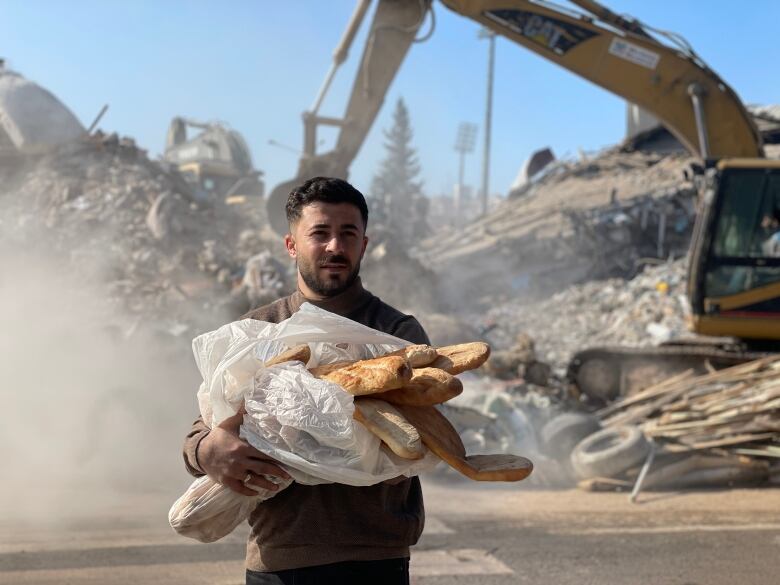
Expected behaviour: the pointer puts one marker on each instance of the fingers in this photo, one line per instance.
(263, 483)
(245, 453)
(238, 486)
(258, 467)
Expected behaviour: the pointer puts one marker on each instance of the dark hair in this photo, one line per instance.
(327, 190)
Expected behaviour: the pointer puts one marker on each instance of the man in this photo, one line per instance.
(770, 225)
(329, 533)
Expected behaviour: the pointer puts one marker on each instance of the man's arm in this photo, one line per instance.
(227, 459)
(191, 442)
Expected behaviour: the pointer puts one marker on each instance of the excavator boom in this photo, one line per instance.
(393, 30)
(626, 61)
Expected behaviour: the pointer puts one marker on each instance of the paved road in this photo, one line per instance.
(496, 535)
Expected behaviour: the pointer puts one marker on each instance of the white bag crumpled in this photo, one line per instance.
(303, 422)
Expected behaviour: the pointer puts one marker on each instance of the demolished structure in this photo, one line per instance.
(166, 257)
(580, 220)
(32, 119)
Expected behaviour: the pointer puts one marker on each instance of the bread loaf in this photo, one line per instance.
(388, 424)
(299, 353)
(418, 356)
(441, 437)
(428, 386)
(368, 376)
(455, 359)
(320, 371)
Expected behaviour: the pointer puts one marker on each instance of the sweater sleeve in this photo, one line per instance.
(198, 431)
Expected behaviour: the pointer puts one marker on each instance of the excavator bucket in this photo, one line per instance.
(275, 206)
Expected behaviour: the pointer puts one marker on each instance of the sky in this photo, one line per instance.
(257, 65)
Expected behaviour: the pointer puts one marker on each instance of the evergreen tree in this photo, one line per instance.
(398, 204)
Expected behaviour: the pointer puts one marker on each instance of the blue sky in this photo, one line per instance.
(257, 65)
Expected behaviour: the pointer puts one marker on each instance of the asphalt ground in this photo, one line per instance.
(494, 534)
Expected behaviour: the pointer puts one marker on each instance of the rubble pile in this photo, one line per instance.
(583, 220)
(116, 217)
(615, 239)
(645, 311)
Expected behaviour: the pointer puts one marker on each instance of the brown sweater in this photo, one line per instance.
(315, 525)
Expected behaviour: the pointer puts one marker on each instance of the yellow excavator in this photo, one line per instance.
(734, 260)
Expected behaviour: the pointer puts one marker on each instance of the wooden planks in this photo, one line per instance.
(736, 410)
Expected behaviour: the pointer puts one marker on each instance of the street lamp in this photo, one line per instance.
(464, 143)
(488, 34)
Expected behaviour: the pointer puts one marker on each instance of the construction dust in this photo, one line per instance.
(90, 416)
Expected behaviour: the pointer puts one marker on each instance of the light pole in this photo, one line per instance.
(464, 143)
(488, 34)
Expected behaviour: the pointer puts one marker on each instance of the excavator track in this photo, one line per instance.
(607, 373)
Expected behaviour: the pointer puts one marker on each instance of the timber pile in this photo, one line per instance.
(735, 411)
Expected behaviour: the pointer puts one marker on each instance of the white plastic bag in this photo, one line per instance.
(207, 511)
(304, 423)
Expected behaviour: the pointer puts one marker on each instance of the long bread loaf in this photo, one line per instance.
(367, 376)
(299, 353)
(428, 386)
(391, 426)
(419, 356)
(455, 359)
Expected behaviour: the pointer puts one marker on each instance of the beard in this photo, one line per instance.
(327, 286)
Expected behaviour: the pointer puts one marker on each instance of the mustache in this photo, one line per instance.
(334, 259)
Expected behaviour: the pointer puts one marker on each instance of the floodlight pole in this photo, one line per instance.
(491, 36)
(464, 143)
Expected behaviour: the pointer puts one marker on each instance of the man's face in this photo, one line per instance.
(328, 243)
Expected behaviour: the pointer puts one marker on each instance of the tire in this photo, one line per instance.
(609, 452)
(562, 433)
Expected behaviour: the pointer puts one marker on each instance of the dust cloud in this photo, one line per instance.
(94, 409)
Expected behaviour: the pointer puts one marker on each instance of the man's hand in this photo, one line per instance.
(229, 460)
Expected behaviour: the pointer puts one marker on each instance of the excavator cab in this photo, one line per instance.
(735, 276)
(215, 162)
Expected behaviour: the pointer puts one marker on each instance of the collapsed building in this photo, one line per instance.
(579, 220)
(167, 256)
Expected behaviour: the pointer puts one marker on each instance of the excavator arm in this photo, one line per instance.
(393, 30)
(619, 55)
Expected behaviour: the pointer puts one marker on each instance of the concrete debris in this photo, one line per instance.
(119, 218)
(583, 220)
(531, 168)
(404, 281)
(264, 280)
(641, 312)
